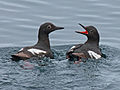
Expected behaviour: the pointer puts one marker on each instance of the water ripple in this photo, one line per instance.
(91, 16)
(9, 10)
(39, 2)
(28, 26)
(52, 17)
(107, 5)
(13, 4)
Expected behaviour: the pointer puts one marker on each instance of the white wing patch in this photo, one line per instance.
(36, 51)
(94, 55)
(21, 49)
(71, 49)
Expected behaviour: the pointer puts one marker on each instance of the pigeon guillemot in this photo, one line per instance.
(42, 48)
(90, 49)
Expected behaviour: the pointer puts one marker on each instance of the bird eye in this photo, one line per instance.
(91, 30)
(49, 26)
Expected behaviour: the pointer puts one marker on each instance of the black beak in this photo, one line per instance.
(84, 32)
(82, 26)
(57, 28)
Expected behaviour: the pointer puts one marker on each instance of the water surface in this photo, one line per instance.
(59, 73)
(20, 20)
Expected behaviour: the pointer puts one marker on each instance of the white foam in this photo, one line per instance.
(36, 51)
(94, 55)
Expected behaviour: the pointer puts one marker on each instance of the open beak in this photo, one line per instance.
(57, 28)
(84, 32)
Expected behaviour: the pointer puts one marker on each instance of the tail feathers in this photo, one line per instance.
(15, 58)
(19, 56)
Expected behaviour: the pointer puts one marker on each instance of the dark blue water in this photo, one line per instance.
(59, 73)
(19, 23)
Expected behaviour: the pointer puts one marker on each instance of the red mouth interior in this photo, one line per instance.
(85, 32)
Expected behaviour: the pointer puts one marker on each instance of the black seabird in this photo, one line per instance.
(42, 48)
(90, 49)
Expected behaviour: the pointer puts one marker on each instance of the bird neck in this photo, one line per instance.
(93, 41)
(43, 40)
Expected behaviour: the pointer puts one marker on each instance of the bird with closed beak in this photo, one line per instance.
(41, 48)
